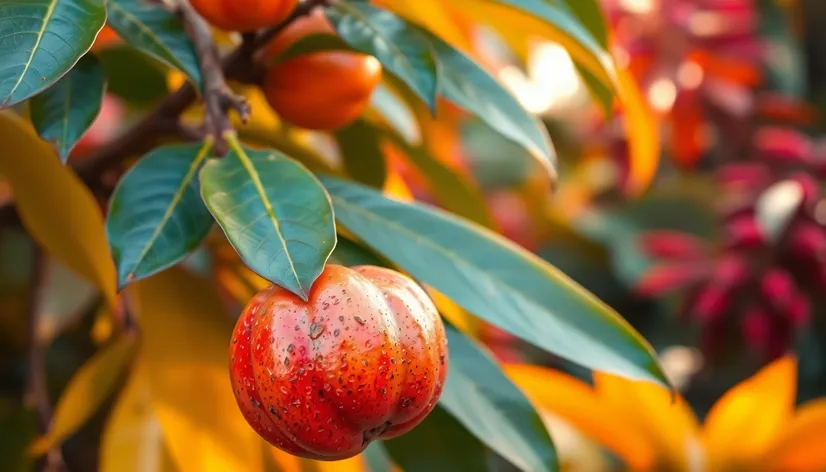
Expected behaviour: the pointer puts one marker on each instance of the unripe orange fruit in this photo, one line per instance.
(365, 358)
(244, 15)
(323, 90)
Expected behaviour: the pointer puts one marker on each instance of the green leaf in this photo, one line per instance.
(87, 391)
(312, 43)
(438, 444)
(491, 407)
(400, 47)
(155, 31)
(469, 86)
(349, 253)
(361, 155)
(495, 280)
(452, 190)
(133, 76)
(156, 215)
(64, 112)
(377, 458)
(394, 113)
(785, 62)
(41, 41)
(274, 212)
(590, 14)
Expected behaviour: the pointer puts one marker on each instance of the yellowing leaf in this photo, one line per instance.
(458, 316)
(750, 416)
(86, 392)
(437, 16)
(396, 188)
(56, 208)
(132, 438)
(578, 404)
(643, 133)
(800, 447)
(186, 337)
(669, 426)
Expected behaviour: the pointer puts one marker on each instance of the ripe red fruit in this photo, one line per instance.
(365, 358)
(244, 15)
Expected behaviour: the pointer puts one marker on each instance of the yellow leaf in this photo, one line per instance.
(86, 392)
(132, 440)
(750, 416)
(437, 16)
(54, 205)
(641, 124)
(668, 425)
(289, 463)
(396, 188)
(458, 316)
(800, 447)
(186, 337)
(580, 405)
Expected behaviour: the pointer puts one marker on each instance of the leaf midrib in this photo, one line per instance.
(255, 178)
(176, 200)
(466, 264)
(151, 34)
(46, 19)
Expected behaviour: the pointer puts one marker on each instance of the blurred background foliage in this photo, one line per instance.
(720, 264)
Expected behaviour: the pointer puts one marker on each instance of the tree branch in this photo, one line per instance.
(164, 120)
(37, 392)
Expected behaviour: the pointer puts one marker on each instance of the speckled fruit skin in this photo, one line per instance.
(365, 358)
(244, 15)
(324, 90)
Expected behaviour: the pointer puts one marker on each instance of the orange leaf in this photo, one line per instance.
(643, 134)
(800, 447)
(578, 404)
(750, 416)
(668, 425)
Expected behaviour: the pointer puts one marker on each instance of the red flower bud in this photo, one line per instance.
(808, 241)
(671, 244)
(810, 186)
(666, 278)
(745, 174)
(783, 145)
(731, 271)
(711, 303)
(756, 328)
(799, 311)
(778, 288)
(743, 232)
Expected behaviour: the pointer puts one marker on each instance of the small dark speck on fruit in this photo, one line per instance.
(316, 330)
(359, 320)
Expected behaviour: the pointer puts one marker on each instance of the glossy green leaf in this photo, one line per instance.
(452, 190)
(361, 155)
(438, 444)
(491, 407)
(156, 215)
(41, 41)
(394, 113)
(65, 111)
(349, 253)
(400, 47)
(590, 14)
(377, 458)
(155, 31)
(468, 85)
(495, 280)
(133, 76)
(274, 212)
(87, 391)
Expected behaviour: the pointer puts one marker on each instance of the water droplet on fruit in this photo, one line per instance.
(359, 320)
(290, 348)
(316, 330)
(283, 390)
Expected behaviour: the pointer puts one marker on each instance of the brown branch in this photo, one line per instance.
(37, 391)
(218, 98)
(164, 120)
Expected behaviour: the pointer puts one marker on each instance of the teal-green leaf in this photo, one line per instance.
(65, 111)
(155, 31)
(349, 253)
(495, 280)
(156, 215)
(469, 86)
(274, 212)
(133, 76)
(400, 47)
(493, 409)
(438, 444)
(41, 40)
(377, 459)
(361, 155)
